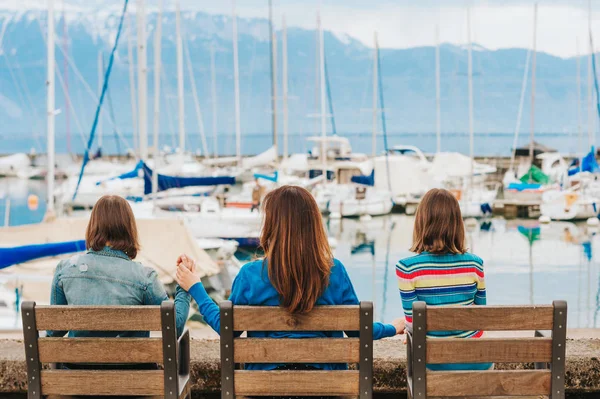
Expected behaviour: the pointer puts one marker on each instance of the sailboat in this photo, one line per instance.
(579, 197)
(351, 192)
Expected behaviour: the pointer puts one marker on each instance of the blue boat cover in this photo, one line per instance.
(588, 164)
(168, 182)
(25, 253)
(366, 180)
(132, 174)
(272, 178)
(524, 186)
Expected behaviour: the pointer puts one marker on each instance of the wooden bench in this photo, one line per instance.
(287, 351)
(173, 354)
(548, 354)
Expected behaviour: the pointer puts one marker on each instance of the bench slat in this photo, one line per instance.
(296, 383)
(492, 318)
(89, 382)
(488, 383)
(307, 350)
(483, 350)
(100, 350)
(274, 318)
(98, 318)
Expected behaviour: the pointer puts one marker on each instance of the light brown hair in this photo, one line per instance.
(112, 222)
(439, 226)
(297, 251)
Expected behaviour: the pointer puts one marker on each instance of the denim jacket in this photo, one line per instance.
(109, 277)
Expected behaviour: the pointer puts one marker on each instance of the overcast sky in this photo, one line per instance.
(409, 23)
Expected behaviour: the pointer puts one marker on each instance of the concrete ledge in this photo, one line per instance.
(583, 366)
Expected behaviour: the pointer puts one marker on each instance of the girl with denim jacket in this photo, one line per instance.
(107, 275)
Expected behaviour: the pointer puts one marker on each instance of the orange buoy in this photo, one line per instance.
(33, 202)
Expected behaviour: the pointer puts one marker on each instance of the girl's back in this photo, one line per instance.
(447, 279)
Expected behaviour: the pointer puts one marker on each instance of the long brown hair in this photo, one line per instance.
(439, 226)
(112, 222)
(296, 248)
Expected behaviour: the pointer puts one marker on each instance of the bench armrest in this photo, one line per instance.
(183, 345)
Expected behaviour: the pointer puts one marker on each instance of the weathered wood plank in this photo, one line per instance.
(273, 318)
(492, 318)
(490, 383)
(483, 350)
(100, 350)
(296, 383)
(87, 382)
(310, 350)
(98, 318)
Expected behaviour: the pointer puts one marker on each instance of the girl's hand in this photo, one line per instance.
(185, 277)
(186, 261)
(400, 325)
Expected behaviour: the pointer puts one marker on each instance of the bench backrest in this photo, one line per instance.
(548, 354)
(288, 351)
(96, 352)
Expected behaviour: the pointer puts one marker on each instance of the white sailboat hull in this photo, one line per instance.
(559, 205)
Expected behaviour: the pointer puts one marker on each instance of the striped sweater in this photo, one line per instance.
(450, 279)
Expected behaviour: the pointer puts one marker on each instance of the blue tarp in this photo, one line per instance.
(168, 182)
(588, 164)
(132, 174)
(16, 255)
(366, 180)
(272, 178)
(524, 186)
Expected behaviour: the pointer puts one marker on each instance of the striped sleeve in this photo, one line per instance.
(408, 295)
(480, 296)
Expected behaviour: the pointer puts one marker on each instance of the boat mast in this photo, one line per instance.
(589, 94)
(199, 118)
(180, 100)
(323, 112)
(438, 114)
(520, 112)
(285, 89)
(533, 70)
(375, 94)
(273, 78)
(50, 109)
(132, 85)
(236, 80)
(65, 43)
(100, 81)
(213, 89)
(156, 127)
(579, 130)
(142, 79)
(470, 73)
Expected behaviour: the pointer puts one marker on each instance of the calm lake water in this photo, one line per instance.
(525, 262)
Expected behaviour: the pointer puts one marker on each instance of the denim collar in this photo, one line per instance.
(108, 251)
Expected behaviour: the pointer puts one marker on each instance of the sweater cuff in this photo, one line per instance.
(389, 330)
(199, 293)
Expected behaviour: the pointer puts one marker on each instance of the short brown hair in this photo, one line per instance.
(296, 248)
(112, 222)
(439, 226)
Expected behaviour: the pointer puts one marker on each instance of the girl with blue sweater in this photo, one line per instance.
(297, 273)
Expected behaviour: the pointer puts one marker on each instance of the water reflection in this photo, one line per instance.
(526, 262)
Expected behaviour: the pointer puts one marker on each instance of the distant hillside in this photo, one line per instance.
(408, 79)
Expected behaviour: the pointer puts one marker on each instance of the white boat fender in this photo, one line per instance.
(545, 219)
(593, 222)
(410, 209)
(335, 215)
(365, 217)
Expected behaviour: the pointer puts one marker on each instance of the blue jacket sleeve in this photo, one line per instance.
(156, 295)
(57, 297)
(380, 330)
(210, 310)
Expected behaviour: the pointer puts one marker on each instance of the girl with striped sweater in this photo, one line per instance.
(442, 272)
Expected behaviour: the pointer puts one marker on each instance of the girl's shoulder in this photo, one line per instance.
(428, 257)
